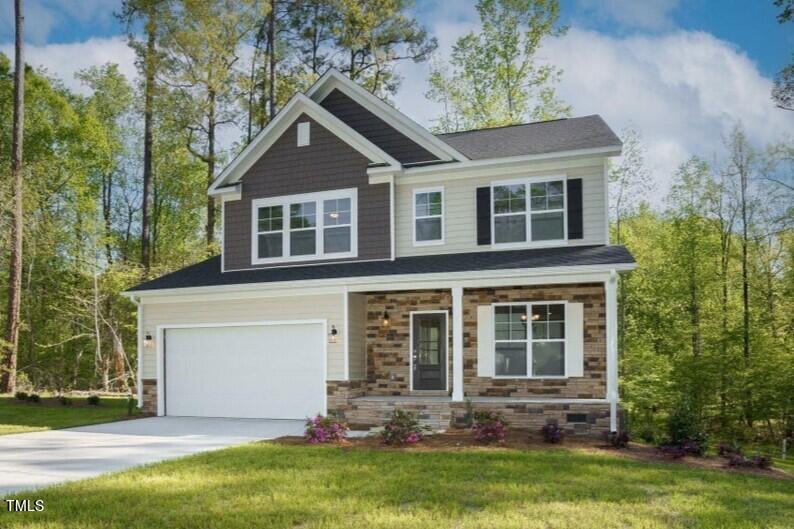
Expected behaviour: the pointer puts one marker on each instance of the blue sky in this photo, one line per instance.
(682, 72)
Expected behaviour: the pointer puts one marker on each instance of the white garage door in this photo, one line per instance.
(251, 371)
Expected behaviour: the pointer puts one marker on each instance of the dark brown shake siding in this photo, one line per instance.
(375, 129)
(327, 163)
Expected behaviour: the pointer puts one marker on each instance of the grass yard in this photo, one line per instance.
(278, 485)
(49, 414)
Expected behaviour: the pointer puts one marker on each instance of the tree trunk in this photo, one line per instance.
(211, 168)
(107, 210)
(8, 380)
(148, 117)
(271, 39)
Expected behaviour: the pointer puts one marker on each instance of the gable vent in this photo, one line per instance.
(303, 134)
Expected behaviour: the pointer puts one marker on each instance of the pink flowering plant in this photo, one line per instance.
(321, 429)
(489, 426)
(402, 429)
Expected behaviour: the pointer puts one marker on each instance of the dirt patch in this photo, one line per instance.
(460, 439)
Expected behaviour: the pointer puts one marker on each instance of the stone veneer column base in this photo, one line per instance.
(149, 404)
(575, 419)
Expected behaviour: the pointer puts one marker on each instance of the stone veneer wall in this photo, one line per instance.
(591, 386)
(388, 347)
(340, 393)
(149, 404)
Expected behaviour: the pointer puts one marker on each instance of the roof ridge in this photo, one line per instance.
(515, 125)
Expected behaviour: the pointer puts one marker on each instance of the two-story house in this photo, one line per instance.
(368, 264)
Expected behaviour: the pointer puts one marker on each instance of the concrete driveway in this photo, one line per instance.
(32, 460)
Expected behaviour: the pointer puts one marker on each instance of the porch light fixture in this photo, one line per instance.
(148, 341)
(523, 317)
(333, 334)
(385, 319)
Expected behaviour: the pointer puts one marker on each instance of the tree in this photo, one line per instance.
(494, 77)
(201, 43)
(8, 378)
(629, 180)
(783, 89)
(372, 36)
(149, 63)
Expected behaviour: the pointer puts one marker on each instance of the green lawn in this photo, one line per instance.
(283, 486)
(20, 417)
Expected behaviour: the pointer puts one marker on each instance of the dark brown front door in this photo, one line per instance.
(429, 350)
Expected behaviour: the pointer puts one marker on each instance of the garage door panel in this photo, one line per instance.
(253, 371)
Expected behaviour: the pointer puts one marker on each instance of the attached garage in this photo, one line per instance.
(249, 370)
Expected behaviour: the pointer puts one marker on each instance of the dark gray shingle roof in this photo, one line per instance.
(208, 273)
(586, 132)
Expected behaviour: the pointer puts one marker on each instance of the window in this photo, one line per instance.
(428, 216)
(517, 220)
(304, 227)
(534, 350)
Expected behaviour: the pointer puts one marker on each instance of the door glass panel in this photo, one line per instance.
(429, 341)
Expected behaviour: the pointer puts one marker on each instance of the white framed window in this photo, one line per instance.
(529, 212)
(428, 216)
(305, 227)
(529, 340)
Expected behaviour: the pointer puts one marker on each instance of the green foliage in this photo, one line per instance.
(494, 78)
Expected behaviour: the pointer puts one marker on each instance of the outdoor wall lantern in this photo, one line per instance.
(332, 336)
(148, 341)
(385, 319)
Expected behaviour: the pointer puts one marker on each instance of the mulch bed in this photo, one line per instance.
(517, 439)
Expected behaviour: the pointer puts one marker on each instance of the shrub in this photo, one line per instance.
(489, 426)
(552, 433)
(757, 461)
(617, 439)
(728, 450)
(64, 400)
(34, 397)
(685, 447)
(93, 400)
(402, 428)
(325, 430)
(21, 395)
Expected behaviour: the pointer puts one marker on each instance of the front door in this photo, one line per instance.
(429, 350)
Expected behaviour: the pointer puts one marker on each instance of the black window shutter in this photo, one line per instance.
(483, 215)
(575, 225)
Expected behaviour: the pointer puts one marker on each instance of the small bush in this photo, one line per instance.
(64, 400)
(617, 439)
(728, 450)
(402, 428)
(757, 461)
(552, 433)
(21, 395)
(325, 430)
(93, 400)
(489, 426)
(685, 447)
(34, 398)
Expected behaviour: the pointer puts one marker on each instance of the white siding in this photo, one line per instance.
(357, 347)
(461, 216)
(326, 306)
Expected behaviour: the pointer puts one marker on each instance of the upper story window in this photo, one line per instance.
(527, 211)
(316, 226)
(428, 216)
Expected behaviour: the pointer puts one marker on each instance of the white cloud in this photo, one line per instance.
(64, 60)
(44, 16)
(683, 91)
(644, 14)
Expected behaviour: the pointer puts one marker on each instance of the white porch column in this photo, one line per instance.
(457, 344)
(611, 287)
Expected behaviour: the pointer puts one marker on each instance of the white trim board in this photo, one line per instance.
(474, 279)
(333, 79)
(299, 104)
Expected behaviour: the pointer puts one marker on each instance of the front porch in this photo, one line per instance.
(384, 328)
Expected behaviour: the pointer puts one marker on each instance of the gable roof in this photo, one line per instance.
(588, 132)
(299, 104)
(334, 80)
(208, 273)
